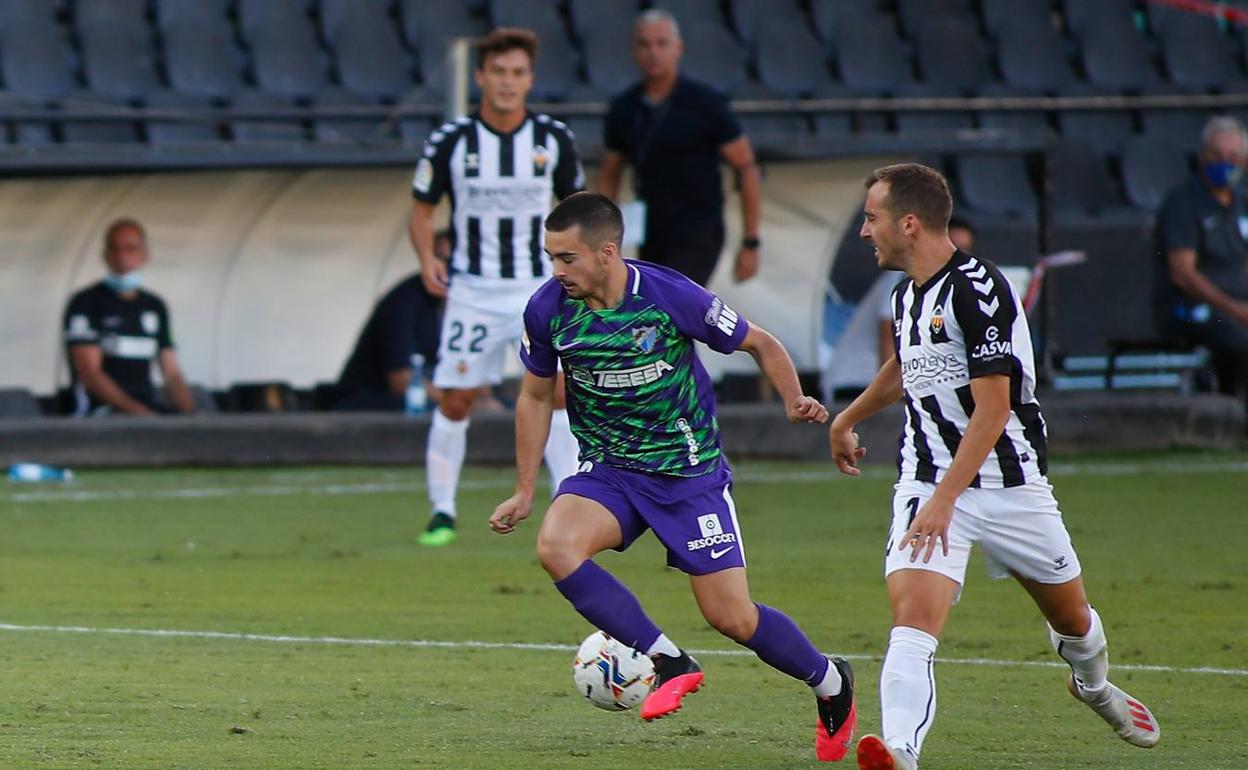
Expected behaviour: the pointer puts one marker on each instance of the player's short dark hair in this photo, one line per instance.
(506, 39)
(961, 223)
(117, 225)
(915, 189)
(597, 215)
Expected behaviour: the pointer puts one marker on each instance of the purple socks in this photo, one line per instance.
(608, 605)
(781, 644)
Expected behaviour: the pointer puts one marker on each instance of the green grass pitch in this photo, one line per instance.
(302, 557)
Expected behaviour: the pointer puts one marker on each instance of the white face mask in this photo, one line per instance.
(127, 282)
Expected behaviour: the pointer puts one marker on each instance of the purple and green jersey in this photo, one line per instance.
(638, 397)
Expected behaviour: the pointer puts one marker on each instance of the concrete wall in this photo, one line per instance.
(269, 275)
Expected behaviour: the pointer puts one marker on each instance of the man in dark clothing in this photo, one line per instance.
(114, 332)
(399, 342)
(674, 132)
(1202, 244)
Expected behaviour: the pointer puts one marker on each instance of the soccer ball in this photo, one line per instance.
(609, 674)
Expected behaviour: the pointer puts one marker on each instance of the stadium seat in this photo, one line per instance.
(555, 73)
(690, 11)
(1034, 121)
(832, 125)
(830, 17)
(929, 121)
(288, 61)
(1104, 129)
(1197, 55)
(201, 60)
(27, 11)
(348, 129)
(996, 184)
(750, 16)
(336, 13)
(1150, 169)
(1081, 15)
(370, 58)
(1000, 15)
(1033, 58)
(118, 57)
(1083, 191)
(121, 131)
(35, 59)
(537, 15)
(162, 132)
(18, 403)
(610, 67)
(254, 130)
(913, 15)
(429, 24)
(600, 18)
(1179, 127)
(713, 56)
(871, 59)
(788, 57)
(779, 133)
(1116, 56)
(414, 129)
(256, 17)
(171, 13)
(952, 55)
(1168, 21)
(112, 10)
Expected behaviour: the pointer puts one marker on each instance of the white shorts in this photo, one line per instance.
(482, 323)
(1019, 528)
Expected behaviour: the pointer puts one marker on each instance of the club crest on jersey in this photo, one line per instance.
(937, 328)
(541, 157)
(645, 338)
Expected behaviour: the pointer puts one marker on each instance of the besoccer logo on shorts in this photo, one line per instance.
(710, 526)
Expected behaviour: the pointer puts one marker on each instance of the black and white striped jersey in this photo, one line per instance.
(501, 187)
(966, 321)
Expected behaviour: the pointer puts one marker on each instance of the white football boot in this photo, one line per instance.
(1131, 719)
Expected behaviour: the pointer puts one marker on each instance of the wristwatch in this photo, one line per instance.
(750, 243)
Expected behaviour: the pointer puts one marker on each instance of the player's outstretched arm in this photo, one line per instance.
(774, 362)
(884, 390)
(533, 408)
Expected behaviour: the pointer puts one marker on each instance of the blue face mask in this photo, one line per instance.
(1222, 174)
(121, 284)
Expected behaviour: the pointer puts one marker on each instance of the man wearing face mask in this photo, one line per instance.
(1202, 240)
(115, 331)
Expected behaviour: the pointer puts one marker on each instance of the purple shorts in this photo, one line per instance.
(694, 518)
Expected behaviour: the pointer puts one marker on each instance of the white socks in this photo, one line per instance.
(561, 450)
(831, 683)
(444, 459)
(908, 689)
(1087, 655)
(664, 646)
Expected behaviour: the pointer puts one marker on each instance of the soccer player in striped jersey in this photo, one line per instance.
(501, 167)
(643, 409)
(972, 467)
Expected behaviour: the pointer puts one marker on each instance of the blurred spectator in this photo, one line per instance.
(1202, 242)
(115, 330)
(673, 131)
(963, 236)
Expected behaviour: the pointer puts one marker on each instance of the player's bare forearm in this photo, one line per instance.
(420, 231)
(992, 411)
(609, 174)
(87, 361)
(750, 180)
(773, 361)
(175, 383)
(884, 390)
(533, 408)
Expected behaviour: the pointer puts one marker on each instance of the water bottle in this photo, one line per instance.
(37, 472)
(416, 400)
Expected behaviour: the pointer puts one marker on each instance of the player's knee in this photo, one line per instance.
(738, 623)
(456, 403)
(558, 553)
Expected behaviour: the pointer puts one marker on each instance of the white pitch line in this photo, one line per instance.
(746, 477)
(543, 647)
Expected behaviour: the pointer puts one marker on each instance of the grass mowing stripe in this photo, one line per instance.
(544, 647)
(747, 477)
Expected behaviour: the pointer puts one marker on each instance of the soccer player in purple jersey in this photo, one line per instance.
(643, 411)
